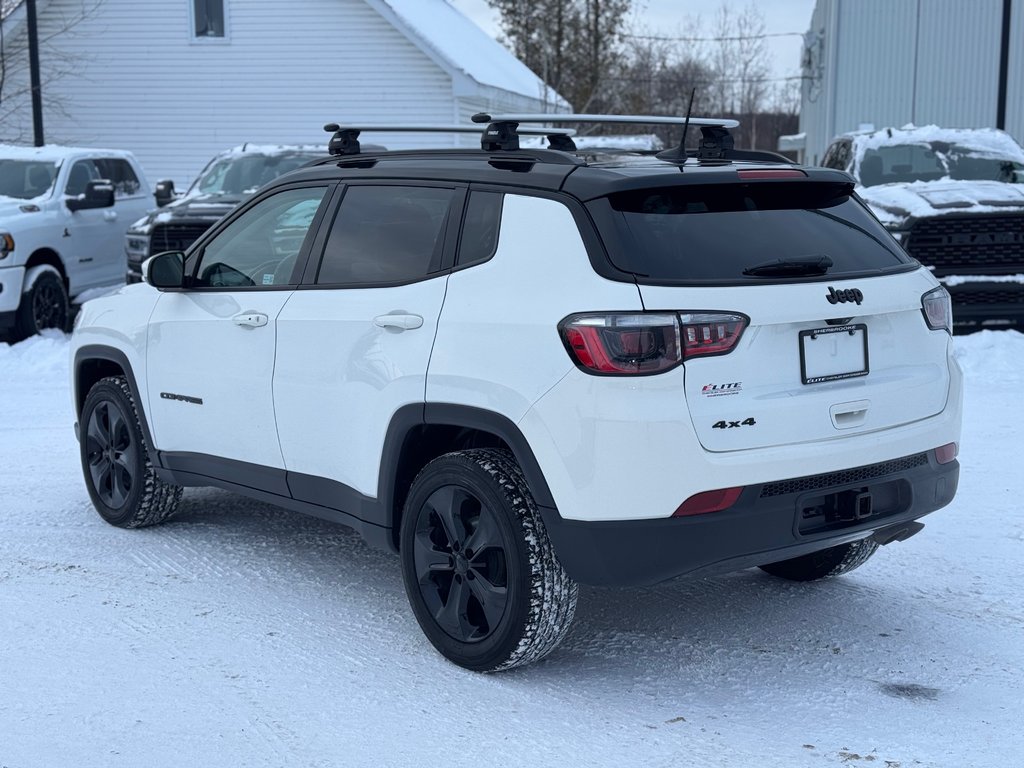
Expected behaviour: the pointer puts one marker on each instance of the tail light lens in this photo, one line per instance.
(709, 501)
(938, 310)
(641, 343)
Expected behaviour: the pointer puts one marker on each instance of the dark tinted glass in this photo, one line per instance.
(712, 233)
(480, 229)
(387, 234)
(118, 172)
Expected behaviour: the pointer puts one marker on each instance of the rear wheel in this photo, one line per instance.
(478, 567)
(45, 305)
(122, 483)
(834, 561)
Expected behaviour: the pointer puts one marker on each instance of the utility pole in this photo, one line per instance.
(33, 65)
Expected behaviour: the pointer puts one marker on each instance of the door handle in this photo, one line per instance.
(250, 319)
(110, 215)
(401, 322)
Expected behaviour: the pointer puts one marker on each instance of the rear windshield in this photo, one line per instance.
(702, 234)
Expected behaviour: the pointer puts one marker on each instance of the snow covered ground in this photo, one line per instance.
(241, 635)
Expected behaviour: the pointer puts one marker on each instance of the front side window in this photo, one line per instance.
(82, 172)
(208, 18)
(387, 234)
(120, 173)
(261, 246)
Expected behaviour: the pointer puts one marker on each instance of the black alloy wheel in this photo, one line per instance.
(123, 486)
(112, 454)
(479, 569)
(49, 306)
(461, 564)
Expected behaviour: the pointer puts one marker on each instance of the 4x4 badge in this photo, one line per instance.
(841, 297)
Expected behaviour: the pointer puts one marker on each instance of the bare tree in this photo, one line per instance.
(57, 64)
(573, 45)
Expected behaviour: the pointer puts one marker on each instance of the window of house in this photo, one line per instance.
(208, 18)
(387, 234)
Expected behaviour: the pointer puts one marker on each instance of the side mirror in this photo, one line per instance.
(163, 192)
(165, 270)
(98, 194)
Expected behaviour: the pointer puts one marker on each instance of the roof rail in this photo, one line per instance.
(345, 138)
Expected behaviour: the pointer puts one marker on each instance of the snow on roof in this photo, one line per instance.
(986, 141)
(635, 142)
(468, 49)
(7, 7)
(53, 153)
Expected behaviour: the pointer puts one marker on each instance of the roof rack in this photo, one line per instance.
(345, 139)
(716, 141)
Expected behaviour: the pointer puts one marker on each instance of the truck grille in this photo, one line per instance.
(175, 237)
(1003, 293)
(974, 245)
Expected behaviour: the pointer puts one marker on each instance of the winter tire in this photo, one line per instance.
(44, 305)
(834, 561)
(122, 484)
(478, 567)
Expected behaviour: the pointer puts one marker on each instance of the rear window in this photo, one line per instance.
(711, 234)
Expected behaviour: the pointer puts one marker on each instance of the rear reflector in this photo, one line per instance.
(709, 501)
(946, 453)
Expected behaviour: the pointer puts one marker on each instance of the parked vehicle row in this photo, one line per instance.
(73, 220)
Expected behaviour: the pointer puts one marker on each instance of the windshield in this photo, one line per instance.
(935, 160)
(245, 173)
(25, 179)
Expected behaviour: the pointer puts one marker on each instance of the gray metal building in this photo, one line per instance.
(954, 63)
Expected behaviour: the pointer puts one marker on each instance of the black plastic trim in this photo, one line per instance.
(755, 531)
(91, 352)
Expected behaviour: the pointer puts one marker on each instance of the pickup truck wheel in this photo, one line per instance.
(478, 567)
(45, 305)
(122, 484)
(834, 561)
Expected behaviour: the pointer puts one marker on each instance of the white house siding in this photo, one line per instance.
(283, 70)
(892, 62)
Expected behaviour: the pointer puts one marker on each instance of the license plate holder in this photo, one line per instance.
(833, 353)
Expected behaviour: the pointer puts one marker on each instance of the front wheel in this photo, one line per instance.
(44, 305)
(118, 474)
(834, 561)
(478, 567)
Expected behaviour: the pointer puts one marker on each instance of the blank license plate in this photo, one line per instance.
(838, 352)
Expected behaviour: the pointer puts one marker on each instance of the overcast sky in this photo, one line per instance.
(679, 17)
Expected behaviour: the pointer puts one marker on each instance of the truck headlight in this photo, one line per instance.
(6, 244)
(137, 247)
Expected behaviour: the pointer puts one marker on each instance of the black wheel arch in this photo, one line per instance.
(420, 432)
(96, 361)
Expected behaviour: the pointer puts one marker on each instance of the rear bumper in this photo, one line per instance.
(770, 522)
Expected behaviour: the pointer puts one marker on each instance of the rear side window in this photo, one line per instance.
(120, 173)
(711, 234)
(480, 228)
(386, 234)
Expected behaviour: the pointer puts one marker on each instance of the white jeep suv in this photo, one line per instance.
(63, 215)
(522, 370)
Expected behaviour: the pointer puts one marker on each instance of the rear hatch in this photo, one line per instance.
(834, 341)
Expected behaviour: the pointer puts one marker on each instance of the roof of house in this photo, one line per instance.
(443, 30)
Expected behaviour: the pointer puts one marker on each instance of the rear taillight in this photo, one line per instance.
(639, 343)
(938, 310)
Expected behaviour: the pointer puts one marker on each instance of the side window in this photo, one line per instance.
(842, 158)
(386, 234)
(82, 172)
(120, 173)
(480, 228)
(208, 18)
(260, 247)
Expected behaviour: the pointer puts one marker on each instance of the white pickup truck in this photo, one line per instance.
(63, 215)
